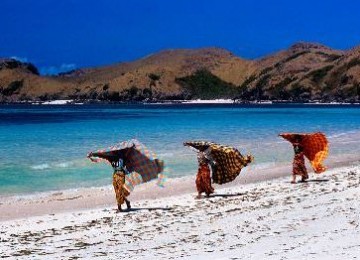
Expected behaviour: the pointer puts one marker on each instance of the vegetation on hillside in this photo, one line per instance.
(205, 85)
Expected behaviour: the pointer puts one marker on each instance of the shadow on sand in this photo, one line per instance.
(225, 195)
(308, 181)
(149, 209)
(318, 180)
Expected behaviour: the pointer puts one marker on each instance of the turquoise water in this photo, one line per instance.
(44, 147)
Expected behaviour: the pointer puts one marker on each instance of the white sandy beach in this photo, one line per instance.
(265, 220)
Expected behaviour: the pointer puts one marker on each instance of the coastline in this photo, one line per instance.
(63, 102)
(62, 201)
(271, 219)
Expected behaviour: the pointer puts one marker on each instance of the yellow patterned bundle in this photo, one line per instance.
(227, 161)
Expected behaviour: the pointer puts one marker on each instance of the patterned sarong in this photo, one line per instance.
(299, 167)
(120, 191)
(203, 180)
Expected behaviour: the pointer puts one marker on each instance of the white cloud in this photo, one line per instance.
(22, 59)
(53, 70)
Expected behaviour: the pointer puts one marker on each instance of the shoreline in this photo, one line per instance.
(62, 201)
(65, 102)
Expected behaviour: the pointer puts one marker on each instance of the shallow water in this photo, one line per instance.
(44, 147)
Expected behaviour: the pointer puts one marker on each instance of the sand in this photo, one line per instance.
(271, 219)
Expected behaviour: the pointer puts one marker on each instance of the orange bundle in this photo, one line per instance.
(315, 147)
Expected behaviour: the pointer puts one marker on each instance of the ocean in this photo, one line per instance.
(44, 148)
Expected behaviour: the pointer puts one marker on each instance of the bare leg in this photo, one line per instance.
(304, 177)
(293, 179)
(212, 189)
(208, 193)
(128, 205)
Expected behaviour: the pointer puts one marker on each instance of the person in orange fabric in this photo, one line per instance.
(118, 182)
(203, 179)
(299, 167)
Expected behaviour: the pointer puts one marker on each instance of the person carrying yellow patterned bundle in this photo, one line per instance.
(224, 161)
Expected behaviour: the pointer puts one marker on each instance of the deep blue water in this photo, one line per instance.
(44, 147)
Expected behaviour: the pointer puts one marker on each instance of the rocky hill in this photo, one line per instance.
(305, 71)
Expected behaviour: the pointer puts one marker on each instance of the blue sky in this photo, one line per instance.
(59, 35)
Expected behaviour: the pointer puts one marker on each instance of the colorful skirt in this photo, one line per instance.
(299, 167)
(203, 180)
(120, 191)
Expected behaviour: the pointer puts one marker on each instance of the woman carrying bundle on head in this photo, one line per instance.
(133, 164)
(313, 146)
(225, 162)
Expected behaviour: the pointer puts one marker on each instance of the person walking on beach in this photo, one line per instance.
(299, 167)
(313, 146)
(133, 164)
(225, 162)
(118, 182)
(203, 179)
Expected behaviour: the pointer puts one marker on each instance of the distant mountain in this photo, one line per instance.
(305, 71)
